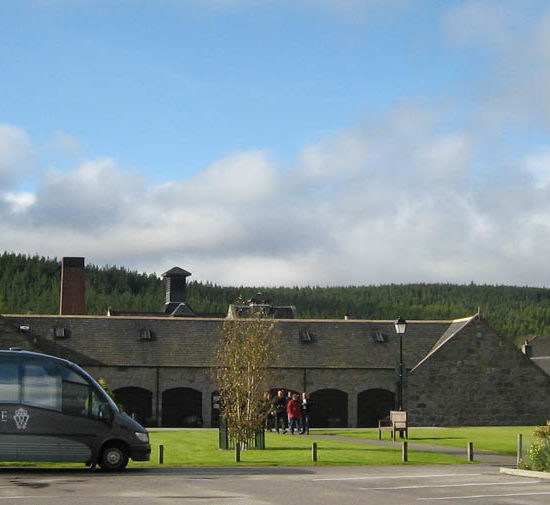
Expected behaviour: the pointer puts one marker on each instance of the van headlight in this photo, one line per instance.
(142, 437)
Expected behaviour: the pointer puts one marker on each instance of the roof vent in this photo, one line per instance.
(379, 337)
(60, 333)
(176, 288)
(259, 299)
(146, 334)
(306, 337)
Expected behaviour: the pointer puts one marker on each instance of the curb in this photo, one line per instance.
(525, 473)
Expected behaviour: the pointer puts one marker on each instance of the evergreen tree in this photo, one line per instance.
(31, 284)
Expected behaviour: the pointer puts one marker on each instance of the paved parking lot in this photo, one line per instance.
(457, 484)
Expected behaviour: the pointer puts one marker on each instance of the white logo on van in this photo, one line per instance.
(21, 418)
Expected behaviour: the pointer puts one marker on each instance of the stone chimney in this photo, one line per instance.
(176, 288)
(72, 299)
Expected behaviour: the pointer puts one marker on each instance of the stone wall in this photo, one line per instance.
(477, 378)
(157, 380)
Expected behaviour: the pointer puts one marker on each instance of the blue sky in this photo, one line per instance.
(275, 142)
(191, 84)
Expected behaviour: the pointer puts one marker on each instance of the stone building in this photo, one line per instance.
(460, 372)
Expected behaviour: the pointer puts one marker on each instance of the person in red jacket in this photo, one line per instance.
(294, 410)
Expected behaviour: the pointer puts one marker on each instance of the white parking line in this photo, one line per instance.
(483, 496)
(414, 476)
(466, 484)
(26, 497)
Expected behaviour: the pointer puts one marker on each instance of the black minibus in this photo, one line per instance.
(52, 410)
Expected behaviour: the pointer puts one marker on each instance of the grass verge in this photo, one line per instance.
(492, 438)
(200, 448)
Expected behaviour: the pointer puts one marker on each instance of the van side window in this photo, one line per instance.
(41, 384)
(9, 381)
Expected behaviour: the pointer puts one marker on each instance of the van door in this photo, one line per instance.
(56, 419)
(9, 397)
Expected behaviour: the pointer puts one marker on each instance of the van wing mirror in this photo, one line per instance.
(106, 413)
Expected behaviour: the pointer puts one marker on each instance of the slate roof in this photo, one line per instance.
(540, 352)
(176, 271)
(540, 347)
(543, 362)
(12, 336)
(455, 326)
(278, 312)
(117, 341)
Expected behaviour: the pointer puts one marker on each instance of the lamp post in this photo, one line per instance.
(400, 328)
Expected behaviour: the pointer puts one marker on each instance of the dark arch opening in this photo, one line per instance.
(137, 403)
(182, 407)
(373, 405)
(329, 409)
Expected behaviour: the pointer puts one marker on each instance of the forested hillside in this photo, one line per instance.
(31, 285)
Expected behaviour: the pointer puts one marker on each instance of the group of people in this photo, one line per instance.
(290, 412)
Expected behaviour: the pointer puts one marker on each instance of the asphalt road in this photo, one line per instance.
(391, 485)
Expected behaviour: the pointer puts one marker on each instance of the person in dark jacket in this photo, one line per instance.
(306, 409)
(279, 406)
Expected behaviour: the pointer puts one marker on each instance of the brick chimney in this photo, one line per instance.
(72, 299)
(176, 288)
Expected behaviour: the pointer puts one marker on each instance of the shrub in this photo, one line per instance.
(543, 431)
(539, 452)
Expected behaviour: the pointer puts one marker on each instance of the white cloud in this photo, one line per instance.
(19, 202)
(513, 39)
(378, 203)
(96, 194)
(16, 156)
(241, 179)
(538, 166)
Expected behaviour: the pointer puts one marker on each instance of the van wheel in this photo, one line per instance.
(114, 458)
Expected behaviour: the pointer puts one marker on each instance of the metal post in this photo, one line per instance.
(470, 451)
(237, 452)
(400, 391)
(314, 451)
(520, 450)
(405, 452)
(400, 328)
(161, 454)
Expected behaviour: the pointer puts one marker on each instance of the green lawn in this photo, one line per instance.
(493, 438)
(200, 448)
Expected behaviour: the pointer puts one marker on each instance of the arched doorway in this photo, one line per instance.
(182, 407)
(329, 408)
(373, 405)
(137, 403)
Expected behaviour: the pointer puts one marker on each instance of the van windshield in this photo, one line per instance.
(105, 398)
